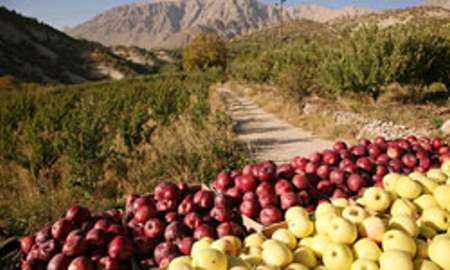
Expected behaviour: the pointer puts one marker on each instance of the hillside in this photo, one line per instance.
(172, 24)
(437, 3)
(35, 52)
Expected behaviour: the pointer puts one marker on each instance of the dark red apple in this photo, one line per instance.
(143, 245)
(192, 220)
(33, 264)
(381, 170)
(224, 229)
(325, 187)
(265, 188)
(184, 245)
(282, 185)
(234, 193)
(355, 182)
(315, 157)
(221, 214)
(116, 229)
(75, 246)
(359, 150)
(138, 202)
(78, 214)
(107, 263)
(374, 150)
(222, 201)
(311, 168)
(394, 152)
(166, 205)
(223, 181)
(289, 199)
(165, 250)
(175, 230)
(247, 170)
(365, 164)
(250, 196)
(285, 171)
(120, 248)
(337, 177)
(48, 249)
(270, 215)
(26, 243)
(204, 230)
(339, 145)
(187, 205)
(267, 200)
(330, 158)
(249, 208)
(246, 183)
(154, 228)
(204, 199)
(300, 181)
(171, 217)
(102, 224)
(96, 237)
(304, 197)
(61, 229)
(266, 173)
(59, 262)
(409, 160)
(144, 212)
(81, 263)
(395, 165)
(167, 191)
(382, 159)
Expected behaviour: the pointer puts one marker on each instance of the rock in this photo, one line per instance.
(446, 127)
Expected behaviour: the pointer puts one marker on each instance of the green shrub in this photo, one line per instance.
(205, 51)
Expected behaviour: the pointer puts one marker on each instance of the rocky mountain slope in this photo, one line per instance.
(34, 52)
(173, 23)
(438, 3)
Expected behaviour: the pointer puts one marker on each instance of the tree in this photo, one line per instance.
(205, 51)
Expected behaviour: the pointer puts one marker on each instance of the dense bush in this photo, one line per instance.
(205, 51)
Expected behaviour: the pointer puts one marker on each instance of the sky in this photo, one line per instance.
(62, 13)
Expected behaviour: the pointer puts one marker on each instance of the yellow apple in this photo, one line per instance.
(408, 188)
(426, 201)
(437, 175)
(445, 168)
(373, 228)
(439, 252)
(396, 260)
(355, 214)
(420, 264)
(403, 207)
(296, 266)
(321, 267)
(237, 262)
(390, 181)
(422, 249)
(237, 243)
(320, 243)
(181, 263)
(295, 212)
(426, 231)
(322, 223)
(364, 264)
(252, 255)
(441, 194)
(254, 240)
(276, 253)
(326, 208)
(307, 242)
(285, 236)
(404, 223)
(436, 218)
(366, 248)
(342, 231)
(341, 202)
(338, 257)
(224, 246)
(398, 240)
(301, 227)
(201, 244)
(210, 259)
(376, 199)
(305, 255)
(267, 267)
(428, 185)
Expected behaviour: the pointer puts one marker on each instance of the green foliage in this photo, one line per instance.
(205, 51)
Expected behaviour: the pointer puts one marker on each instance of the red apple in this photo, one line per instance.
(365, 142)
(138, 202)
(75, 246)
(192, 220)
(267, 200)
(380, 140)
(289, 199)
(26, 243)
(48, 249)
(381, 171)
(359, 150)
(78, 214)
(311, 167)
(374, 150)
(315, 157)
(247, 170)
(187, 205)
(184, 245)
(364, 163)
(96, 237)
(174, 230)
(166, 205)
(394, 152)
(299, 162)
(204, 230)
(323, 171)
(339, 193)
(144, 212)
(339, 145)
(223, 181)
(282, 185)
(330, 158)
(153, 228)
(266, 173)
(224, 229)
(165, 251)
(221, 214)
(81, 263)
(33, 264)
(337, 177)
(270, 215)
(246, 183)
(325, 187)
(61, 229)
(355, 182)
(166, 191)
(59, 262)
(285, 171)
(222, 201)
(409, 160)
(171, 217)
(116, 229)
(300, 181)
(234, 193)
(250, 196)
(382, 159)
(102, 224)
(204, 199)
(107, 263)
(120, 248)
(395, 165)
(249, 208)
(143, 245)
(265, 188)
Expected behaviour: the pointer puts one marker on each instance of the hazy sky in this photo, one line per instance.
(60, 13)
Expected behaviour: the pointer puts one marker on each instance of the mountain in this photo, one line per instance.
(437, 3)
(34, 52)
(173, 23)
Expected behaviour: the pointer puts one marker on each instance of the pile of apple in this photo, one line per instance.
(264, 191)
(405, 226)
(176, 215)
(79, 241)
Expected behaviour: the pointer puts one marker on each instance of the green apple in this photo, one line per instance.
(254, 240)
(426, 201)
(422, 249)
(276, 253)
(320, 243)
(181, 263)
(398, 240)
(342, 231)
(210, 259)
(408, 188)
(326, 208)
(285, 236)
(439, 252)
(390, 181)
(296, 266)
(301, 227)
(404, 223)
(322, 223)
(421, 264)
(436, 218)
(396, 260)
(373, 228)
(445, 168)
(403, 207)
(338, 257)
(295, 212)
(441, 194)
(364, 264)
(366, 248)
(437, 175)
(376, 199)
(305, 255)
(355, 214)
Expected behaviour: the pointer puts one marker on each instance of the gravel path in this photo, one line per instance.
(267, 136)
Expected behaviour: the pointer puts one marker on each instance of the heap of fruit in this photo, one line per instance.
(404, 227)
(159, 227)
